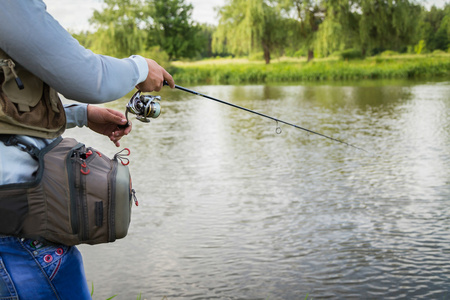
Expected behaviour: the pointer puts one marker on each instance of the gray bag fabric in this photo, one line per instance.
(78, 196)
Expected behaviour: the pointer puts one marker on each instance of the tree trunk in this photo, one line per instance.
(310, 54)
(266, 53)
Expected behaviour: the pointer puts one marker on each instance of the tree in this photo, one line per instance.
(309, 14)
(435, 28)
(137, 26)
(388, 24)
(445, 25)
(249, 26)
(205, 39)
(173, 29)
(339, 29)
(119, 28)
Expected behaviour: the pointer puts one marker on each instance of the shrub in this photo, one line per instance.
(420, 47)
(438, 52)
(389, 53)
(350, 54)
(157, 54)
(256, 56)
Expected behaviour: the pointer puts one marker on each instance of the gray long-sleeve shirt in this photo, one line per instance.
(35, 40)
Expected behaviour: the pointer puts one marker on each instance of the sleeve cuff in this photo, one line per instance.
(142, 67)
(76, 115)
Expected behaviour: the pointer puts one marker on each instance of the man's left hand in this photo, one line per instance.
(105, 121)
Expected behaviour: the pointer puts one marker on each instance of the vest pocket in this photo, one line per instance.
(28, 106)
(13, 210)
(30, 94)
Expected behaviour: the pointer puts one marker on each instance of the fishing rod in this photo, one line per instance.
(145, 106)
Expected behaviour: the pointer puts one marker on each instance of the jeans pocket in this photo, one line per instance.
(7, 289)
(49, 257)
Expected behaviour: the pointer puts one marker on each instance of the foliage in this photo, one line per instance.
(173, 30)
(127, 27)
(295, 28)
(388, 25)
(205, 40)
(157, 54)
(239, 26)
(119, 28)
(389, 53)
(338, 31)
(435, 28)
(403, 66)
(308, 14)
(419, 47)
(352, 54)
(249, 26)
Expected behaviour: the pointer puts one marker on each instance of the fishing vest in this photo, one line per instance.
(28, 106)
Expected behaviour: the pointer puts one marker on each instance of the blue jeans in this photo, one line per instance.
(32, 270)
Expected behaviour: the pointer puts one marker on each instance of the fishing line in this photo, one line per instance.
(278, 128)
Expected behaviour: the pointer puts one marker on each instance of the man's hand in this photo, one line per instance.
(104, 121)
(155, 78)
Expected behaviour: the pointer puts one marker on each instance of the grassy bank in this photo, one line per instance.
(234, 71)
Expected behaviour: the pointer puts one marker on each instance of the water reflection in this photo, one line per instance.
(231, 210)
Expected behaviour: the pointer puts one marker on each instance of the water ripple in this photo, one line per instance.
(230, 210)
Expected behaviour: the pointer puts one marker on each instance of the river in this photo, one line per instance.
(229, 209)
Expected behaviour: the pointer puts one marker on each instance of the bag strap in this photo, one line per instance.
(13, 140)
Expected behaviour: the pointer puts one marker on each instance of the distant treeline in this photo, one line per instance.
(383, 66)
(264, 29)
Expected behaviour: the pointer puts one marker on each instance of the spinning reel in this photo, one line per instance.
(144, 107)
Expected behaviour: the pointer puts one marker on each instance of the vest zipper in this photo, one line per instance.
(10, 64)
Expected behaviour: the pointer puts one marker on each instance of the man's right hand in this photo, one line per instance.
(155, 78)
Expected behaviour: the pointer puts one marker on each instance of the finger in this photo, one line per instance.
(115, 140)
(169, 79)
(116, 112)
(115, 117)
(119, 132)
(116, 143)
(127, 130)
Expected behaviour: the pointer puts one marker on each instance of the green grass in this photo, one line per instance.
(235, 71)
(139, 297)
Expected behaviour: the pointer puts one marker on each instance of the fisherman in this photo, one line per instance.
(46, 60)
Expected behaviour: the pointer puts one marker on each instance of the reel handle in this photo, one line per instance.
(128, 122)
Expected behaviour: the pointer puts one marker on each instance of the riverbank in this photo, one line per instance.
(236, 71)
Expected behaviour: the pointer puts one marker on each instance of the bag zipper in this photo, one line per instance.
(82, 205)
(77, 196)
(112, 205)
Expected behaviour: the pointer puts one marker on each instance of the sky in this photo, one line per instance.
(74, 14)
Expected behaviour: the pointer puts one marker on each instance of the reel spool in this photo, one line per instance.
(145, 107)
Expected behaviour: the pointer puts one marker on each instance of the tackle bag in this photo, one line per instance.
(79, 196)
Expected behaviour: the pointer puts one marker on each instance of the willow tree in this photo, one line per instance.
(249, 26)
(309, 14)
(339, 30)
(388, 24)
(119, 28)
